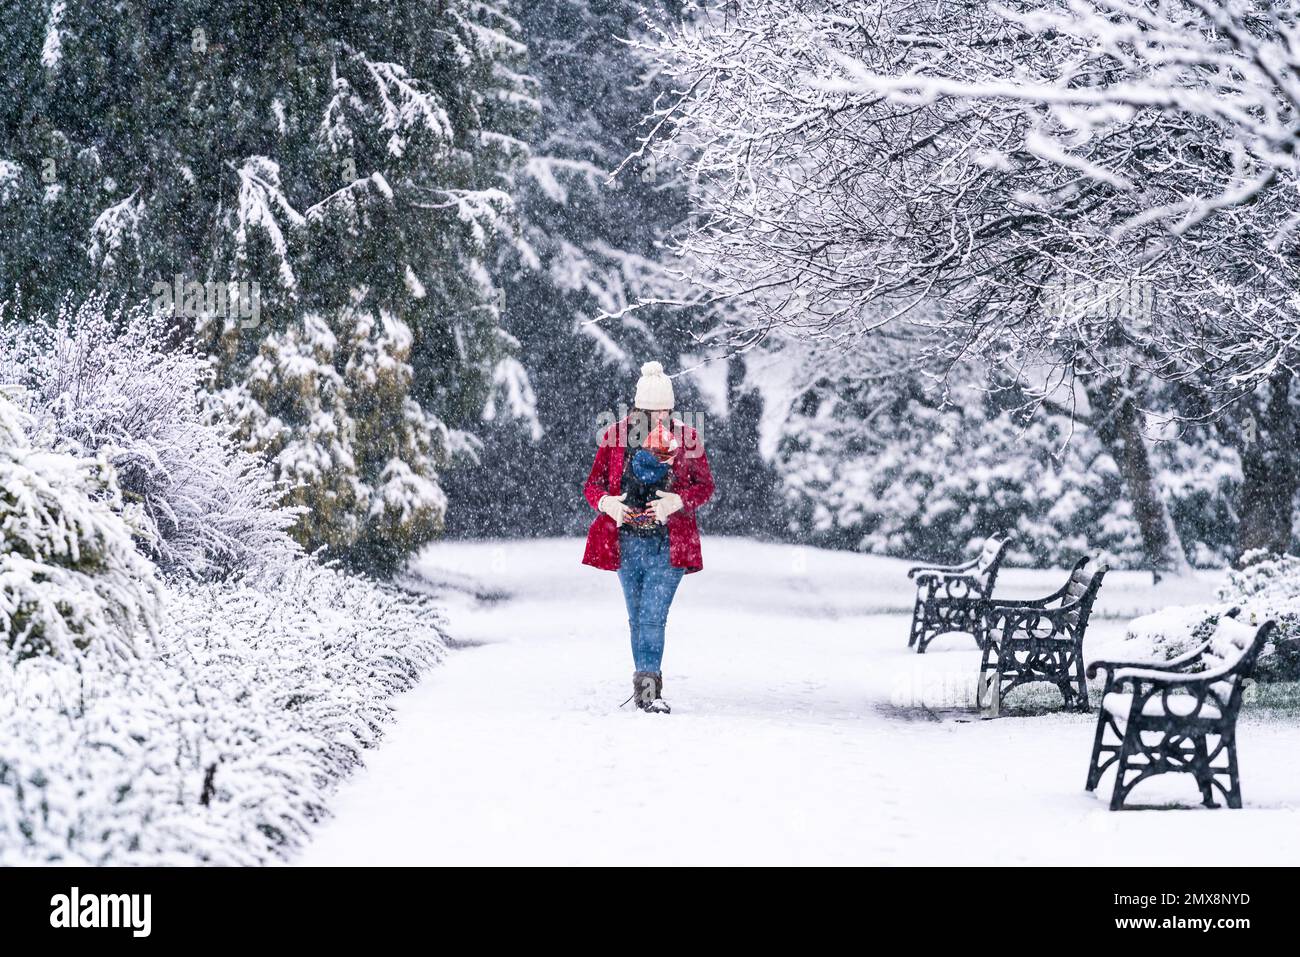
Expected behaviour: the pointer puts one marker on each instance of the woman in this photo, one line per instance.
(649, 477)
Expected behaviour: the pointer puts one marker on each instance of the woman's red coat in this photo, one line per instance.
(692, 480)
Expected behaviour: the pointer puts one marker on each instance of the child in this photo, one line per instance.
(648, 471)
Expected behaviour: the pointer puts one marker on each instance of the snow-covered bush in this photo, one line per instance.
(893, 469)
(1201, 479)
(220, 738)
(1266, 587)
(223, 746)
(1171, 632)
(328, 402)
(71, 579)
(97, 381)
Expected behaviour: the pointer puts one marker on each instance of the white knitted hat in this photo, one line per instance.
(654, 390)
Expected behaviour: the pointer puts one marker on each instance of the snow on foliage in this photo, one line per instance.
(961, 185)
(1266, 587)
(116, 230)
(404, 104)
(848, 154)
(893, 473)
(98, 382)
(874, 457)
(71, 580)
(223, 746)
(10, 178)
(512, 396)
(52, 47)
(262, 204)
(385, 168)
(197, 718)
(328, 403)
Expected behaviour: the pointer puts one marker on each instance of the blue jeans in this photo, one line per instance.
(649, 583)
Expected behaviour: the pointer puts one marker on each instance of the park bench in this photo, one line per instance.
(1158, 717)
(949, 597)
(1039, 639)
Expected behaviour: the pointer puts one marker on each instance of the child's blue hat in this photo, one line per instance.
(647, 467)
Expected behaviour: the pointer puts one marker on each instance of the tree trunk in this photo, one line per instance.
(1117, 420)
(749, 502)
(1267, 444)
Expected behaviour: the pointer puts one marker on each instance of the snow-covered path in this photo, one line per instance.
(803, 732)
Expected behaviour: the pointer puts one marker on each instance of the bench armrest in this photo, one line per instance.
(1182, 678)
(1200, 683)
(1157, 676)
(942, 569)
(1013, 603)
(1113, 667)
(1164, 667)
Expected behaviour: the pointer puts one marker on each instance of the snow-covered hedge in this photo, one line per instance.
(1268, 586)
(198, 714)
(220, 745)
(99, 382)
(71, 579)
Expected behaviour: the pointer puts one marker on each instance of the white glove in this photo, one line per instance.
(665, 505)
(612, 505)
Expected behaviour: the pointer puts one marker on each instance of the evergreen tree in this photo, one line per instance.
(590, 246)
(343, 167)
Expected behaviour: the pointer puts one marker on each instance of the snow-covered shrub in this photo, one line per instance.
(328, 402)
(891, 467)
(1201, 480)
(1171, 632)
(224, 745)
(96, 382)
(71, 579)
(220, 739)
(1266, 587)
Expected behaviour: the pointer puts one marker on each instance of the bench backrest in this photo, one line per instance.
(989, 561)
(1235, 646)
(1080, 579)
(989, 554)
(1231, 639)
(1081, 589)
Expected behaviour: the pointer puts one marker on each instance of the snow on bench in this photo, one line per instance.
(1177, 715)
(949, 597)
(1039, 639)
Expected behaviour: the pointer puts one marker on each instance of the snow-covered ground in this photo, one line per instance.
(804, 731)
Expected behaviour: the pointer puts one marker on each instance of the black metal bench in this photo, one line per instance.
(1158, 717)
(1039, 639)
(949, 597)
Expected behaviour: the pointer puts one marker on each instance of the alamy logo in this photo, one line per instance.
(102, 910)
(209, 300)
(1079, 299)
(622, 427)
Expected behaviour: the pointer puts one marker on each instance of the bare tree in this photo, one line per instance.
(856, 162)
